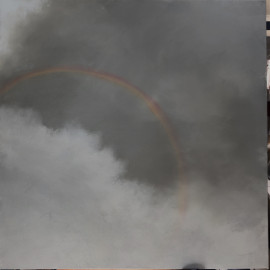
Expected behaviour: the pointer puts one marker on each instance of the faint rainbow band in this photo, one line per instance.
(151, 104)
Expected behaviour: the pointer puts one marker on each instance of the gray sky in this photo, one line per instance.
(203, 63)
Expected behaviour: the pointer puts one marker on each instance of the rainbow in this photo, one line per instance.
(151, 104)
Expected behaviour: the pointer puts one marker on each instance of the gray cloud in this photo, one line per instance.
(79, 214)
(206, 73)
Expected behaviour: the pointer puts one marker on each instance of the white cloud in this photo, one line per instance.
(69, 194)
(65, 204)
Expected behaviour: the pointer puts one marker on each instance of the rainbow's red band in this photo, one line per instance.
(152, 105)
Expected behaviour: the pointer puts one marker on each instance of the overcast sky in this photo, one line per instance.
(88, 170)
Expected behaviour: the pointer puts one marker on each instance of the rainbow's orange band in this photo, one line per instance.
(152, 105)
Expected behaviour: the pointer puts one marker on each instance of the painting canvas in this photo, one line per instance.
(132, 134)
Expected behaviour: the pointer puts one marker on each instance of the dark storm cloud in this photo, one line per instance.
(202, 61)
(200, 71)
(99, 39)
